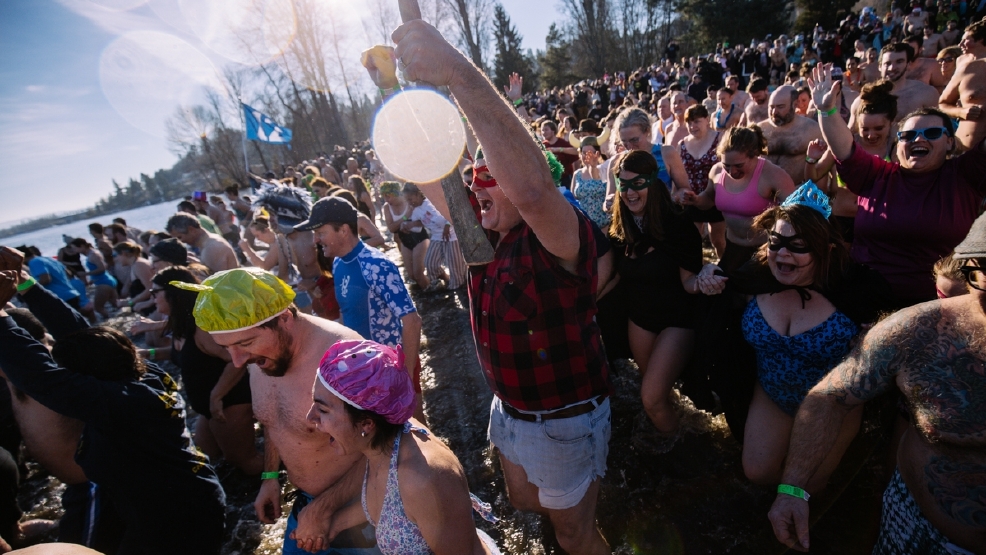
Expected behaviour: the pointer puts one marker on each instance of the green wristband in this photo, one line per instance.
(270, 475)
(829, 112)
(793, 491)
(151, 353)
(518, 102)
(388, 92)
(28, 283)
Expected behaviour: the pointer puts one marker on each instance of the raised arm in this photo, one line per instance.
(825, 93)
(514, 159)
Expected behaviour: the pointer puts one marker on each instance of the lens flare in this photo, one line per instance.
(250, 32)
(419, 136)
(146, 75)
(118, 5)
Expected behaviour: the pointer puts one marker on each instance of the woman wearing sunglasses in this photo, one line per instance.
(741, 186)
(913, 211)
(662, 257)
(807, 302)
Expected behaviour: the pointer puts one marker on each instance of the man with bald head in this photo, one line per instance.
(911, 95)
(787, 133)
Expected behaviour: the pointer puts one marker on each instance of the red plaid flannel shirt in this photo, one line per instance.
(534, 323)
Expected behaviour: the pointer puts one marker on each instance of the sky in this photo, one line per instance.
(86, 85)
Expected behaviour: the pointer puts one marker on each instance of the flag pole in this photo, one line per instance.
(246, 161)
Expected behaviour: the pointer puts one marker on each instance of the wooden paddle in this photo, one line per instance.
(476, 248)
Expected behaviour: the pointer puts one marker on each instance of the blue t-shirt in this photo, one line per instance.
(59, 285)
(371, 295)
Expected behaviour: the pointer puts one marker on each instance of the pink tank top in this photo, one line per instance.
(745, 204)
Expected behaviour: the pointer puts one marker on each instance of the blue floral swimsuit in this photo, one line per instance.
(789, 366)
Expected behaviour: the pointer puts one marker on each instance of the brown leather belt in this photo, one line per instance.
(577, 410)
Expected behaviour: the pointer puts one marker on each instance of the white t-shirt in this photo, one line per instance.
(433, 221)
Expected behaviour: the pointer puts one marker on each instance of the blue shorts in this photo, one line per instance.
(302, 299)
(561, 457)
(358, 540)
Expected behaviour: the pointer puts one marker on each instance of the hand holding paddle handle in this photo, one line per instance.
(476, 248)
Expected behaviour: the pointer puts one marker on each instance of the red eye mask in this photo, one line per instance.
(484, 183)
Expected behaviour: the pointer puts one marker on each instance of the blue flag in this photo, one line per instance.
(260, 127)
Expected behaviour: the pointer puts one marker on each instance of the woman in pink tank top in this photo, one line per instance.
(741, 186)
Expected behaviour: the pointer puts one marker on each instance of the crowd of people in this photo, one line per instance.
(781, 232)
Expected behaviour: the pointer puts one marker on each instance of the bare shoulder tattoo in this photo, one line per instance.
(959, 489)
(871, 367)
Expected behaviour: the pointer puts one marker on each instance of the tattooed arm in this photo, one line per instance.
(868, 372)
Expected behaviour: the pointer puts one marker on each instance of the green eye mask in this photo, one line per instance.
(638, 183)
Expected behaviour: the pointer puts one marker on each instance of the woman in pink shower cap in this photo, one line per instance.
(414, 491)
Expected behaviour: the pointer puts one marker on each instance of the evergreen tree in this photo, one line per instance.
(555, 61)
(509, 56)
(737, 21)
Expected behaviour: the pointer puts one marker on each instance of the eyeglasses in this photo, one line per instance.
(945, 60)
(974, 277)
(929, 133)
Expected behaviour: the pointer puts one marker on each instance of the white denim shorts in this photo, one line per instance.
(561, 457)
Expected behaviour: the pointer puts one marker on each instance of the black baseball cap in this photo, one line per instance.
(330, 210)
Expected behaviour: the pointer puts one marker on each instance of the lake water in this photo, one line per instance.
(49, 240)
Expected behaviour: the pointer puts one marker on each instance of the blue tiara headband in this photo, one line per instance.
(811, 196)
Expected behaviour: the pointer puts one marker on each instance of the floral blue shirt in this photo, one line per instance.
(371, 295)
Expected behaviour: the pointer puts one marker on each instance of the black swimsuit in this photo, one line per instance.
(200, 372)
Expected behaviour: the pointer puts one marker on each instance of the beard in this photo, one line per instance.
(781, 121)
(282, 361)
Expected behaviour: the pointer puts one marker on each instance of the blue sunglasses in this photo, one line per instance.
(929, 133)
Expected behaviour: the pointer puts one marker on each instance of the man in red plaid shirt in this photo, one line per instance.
(532, 309)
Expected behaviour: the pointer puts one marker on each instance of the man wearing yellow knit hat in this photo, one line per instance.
(251, 313)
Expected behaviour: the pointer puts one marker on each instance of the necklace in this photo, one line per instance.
(639, 220)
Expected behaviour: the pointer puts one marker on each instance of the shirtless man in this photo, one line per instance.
(922, 69)
(787, 133)
(965, 94)
(934, 354)
(933, 43)
(678, 129)
(756, 110)
(911, 94)
(282, 348)
(952, 34)
(915, 22)
(740, 97)
(214, 252)
(778, 62)
(870, 67)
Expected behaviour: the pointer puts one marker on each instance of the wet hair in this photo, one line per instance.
(181, 321)
(757, 84)
(29, 251)
(28, 322)
(633, 117)
(658, 200)
(696, 112)
(915, 38)
(977, 31)
(948, 267)
(878, 98)
(100, 352)
(116, 229)
(120, 221)
(896, 47)
(828, 252)
(128, 247)
(385, 431)
(79, 242)
(946, 121)
(748, 140)
(96, 228)
(188, 207)
(181, 222)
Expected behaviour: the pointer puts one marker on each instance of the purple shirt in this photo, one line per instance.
(906, 221)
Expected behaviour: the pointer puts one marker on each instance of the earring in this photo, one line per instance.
(362, 434)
